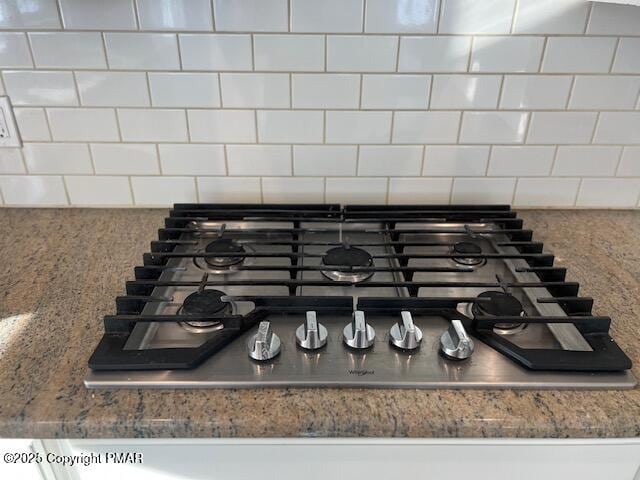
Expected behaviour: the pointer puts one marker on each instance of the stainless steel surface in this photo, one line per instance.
(358, 333)
(455, 343)
(265, 344)
(311, 335)
(404, 334)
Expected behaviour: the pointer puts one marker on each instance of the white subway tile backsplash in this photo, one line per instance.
(83, 124)
(152, 125)
(33, 190)
(535, 92)
(215, 52)
(413, 16)
(425, 127)
(292, 190)
(493, 127)
(358, 127)
(609, 192)
(607, 19)
(454, 160)
(395, 91)
(482, 190)
(289, 52)
(629, 163)
(98, 190)
(586, 161)
(471, 16)
(361, 53)
(324, 160)
(465, 91)
(389, 161)
(325, 90)
(229, 189)
(551, 16)
(506, 54)
(175, 14)
(40, 88)
(59, 158)
(561, 127)
(125, 159)
(98, 14)
(627, 58)
(14, 50)
(419, 190)
(597, 92)
(546, 192)
(29, 14)
(360, 190)
(255, 90)
(289, 126)
(434, 54)
(521, 161)
(331, 16)
(267, 160)
(184, 90)
(11, 161)
(192, 159)
(578, 54)
(113, 89)
(163, 191)
(235, 126)
(142, 51)
(32, 124)
(618, 128)
(67, 50)
(251, 15)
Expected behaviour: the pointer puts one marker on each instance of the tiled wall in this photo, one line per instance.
(531, 102)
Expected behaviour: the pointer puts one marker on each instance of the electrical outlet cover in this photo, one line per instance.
(9, 134)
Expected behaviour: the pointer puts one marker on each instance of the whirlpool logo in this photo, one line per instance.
(361, 373)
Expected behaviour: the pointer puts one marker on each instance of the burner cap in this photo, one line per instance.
(347, 256)
(206, 302)
(465, 248)
(499, 304)
(224, 245)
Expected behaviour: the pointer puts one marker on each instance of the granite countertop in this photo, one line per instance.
(61, 270)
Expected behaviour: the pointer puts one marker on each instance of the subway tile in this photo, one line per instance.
(586, 161)
(506, 54)
(482, 190)
(361, 53)
(551, 16)
(11, 161)
(113, 89)
(163, 191)
(82, 124)
(395, 91)
(358, 127)
(268, 160)
(125, 159)
(98, 14)
(287, 126)
(561, 127)
(493, 127)
(60, 158)
(152, 125)
(236, 126)
(599, 92)
(14, 50)
(184, 90)
(229, 190)
(419, 190)
(67, 50)
(29, 14)
(471, 16)
(578, 54)
(192, 159)
(330, 16)
(292, 190)
(251, 15)
(175, 14)
(142, 51)
(465, 91)
(401, 161)
(40, 88)
(425, 127)
(215, 52)
(618, 128)
(607, 19)
(414, 16)
(325, 90)
(535, 92)
(324, 160)
(102, 190)
(289, 52)
(455, 160)
(434, 54)
(521, 161)
(609, 192)
(33, 190)
(546, 192)
(360, 190)
(255, 90)
(629, 163)
(627, 58)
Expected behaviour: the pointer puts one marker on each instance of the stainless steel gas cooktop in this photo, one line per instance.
(357, 296)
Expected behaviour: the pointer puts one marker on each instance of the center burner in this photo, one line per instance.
(465, 248)
(205, 302)
(500, 304)
(347, 256)
(224, 246)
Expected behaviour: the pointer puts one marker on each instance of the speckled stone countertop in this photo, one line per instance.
(60, 271)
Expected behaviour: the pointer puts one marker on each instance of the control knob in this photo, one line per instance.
(359, 334)
(265, 344)
(404, 334)
(311, 335)
(455, 343)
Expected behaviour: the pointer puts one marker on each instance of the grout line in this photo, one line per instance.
(255, 120)
(595, 128)
(515, 189)
(615, 53)
(577, 195)
(179, 52)
(261, 191)
(500, 92)
(59, 11)
(489, 159)
(290, 80)
(226, 160)
(325, 53)
(556, 153)
(617, 170)
(440, 9)
(136, 14)
(386, 198)
(91, 159)
(588, 20)
(460, 121)
(188, 126)
(159, 159)
(527, 130)
(133, 197)
(397, 69)
(424, 154)
(542, 54)
(572, 86)
(289, 17)
(324, 127)
(471, 46)
(514, 16)
(360, 92)
(118, 127)
(391, 127)
(149, 91)
(431, 79)
(324, 192)
(213, 15)
(364, 14)
(453, 180)
(253, 53)
(357, 174)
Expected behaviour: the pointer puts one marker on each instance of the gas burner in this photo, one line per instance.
(468, 248)
(500, 304)
(347, 256)
(227, 246)
(205, 302)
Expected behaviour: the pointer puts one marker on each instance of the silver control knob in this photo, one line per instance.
(359, 334)
(265, 344)
(311, 335)
(404, 334)
(455, 343)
